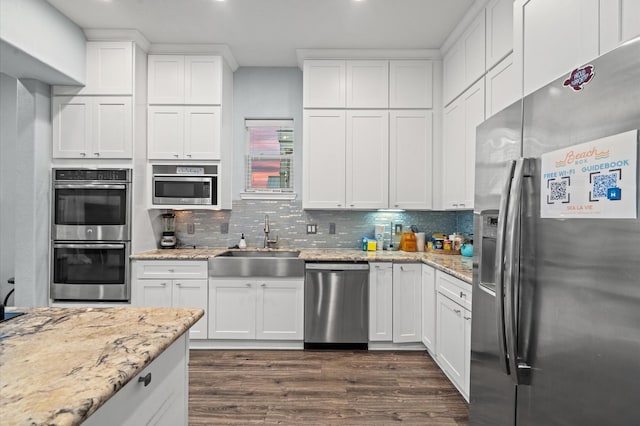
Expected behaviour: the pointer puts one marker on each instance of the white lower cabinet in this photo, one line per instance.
(429, 308)
(178, 284)
(454, 330)
(407, 302)
(380, 302)
(161, 400)
(256, 308)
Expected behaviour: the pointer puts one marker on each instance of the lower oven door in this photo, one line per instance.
(90, 271)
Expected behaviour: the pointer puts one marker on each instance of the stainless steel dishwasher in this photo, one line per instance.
(336, 305)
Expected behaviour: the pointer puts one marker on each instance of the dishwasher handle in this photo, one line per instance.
(337, 266)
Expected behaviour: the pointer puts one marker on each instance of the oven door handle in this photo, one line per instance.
(89, 186)
(91, 246)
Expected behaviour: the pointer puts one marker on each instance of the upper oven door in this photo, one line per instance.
(91, 211)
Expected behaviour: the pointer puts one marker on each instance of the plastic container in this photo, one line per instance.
(408, 241)
(466, 250)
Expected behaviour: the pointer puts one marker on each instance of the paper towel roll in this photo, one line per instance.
(420, 241)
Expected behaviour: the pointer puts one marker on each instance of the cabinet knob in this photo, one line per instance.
(145, 379)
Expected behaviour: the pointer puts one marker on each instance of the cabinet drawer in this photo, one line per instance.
(170, 269)
(455, 289)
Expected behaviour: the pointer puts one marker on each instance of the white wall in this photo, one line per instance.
(37, 41)
(265, 92)
(8, 117)
(32, 193)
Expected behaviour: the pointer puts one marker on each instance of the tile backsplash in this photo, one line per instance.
(288, 221)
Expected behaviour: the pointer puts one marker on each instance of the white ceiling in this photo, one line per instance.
(267, 32)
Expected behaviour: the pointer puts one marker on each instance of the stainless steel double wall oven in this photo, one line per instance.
(91, 234)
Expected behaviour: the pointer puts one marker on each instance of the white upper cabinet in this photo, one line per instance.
(552, 38)
(461, 118)
(411, 84)
(109, 68)
(499, 14)
(324, 84)
(619, 22)
(367, 159)
(367, 84)
(410, 159)
(92, 127)
(501, 86)
(185, 79)
(323, 159)
(464, 63)
(183, 132)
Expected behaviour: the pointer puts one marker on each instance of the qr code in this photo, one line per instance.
(559, 190)
(601, 184)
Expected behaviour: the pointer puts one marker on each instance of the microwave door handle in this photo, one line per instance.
(93, 246)
(89, 186)
(499, 267)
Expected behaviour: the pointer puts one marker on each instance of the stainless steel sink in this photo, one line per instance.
(259, 253)
(256, 263)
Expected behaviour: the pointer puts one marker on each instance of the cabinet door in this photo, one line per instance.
(407, 303)
(552, 38)
(474, 50)
(451, 340)
(453, 73)
(324, 84)
(109, 68)
(429, 308)
(71, 126)
(112, 127)
(467, 353)
(165, 132)
(201, 132)
(499, 30)
(367, 84)
(203, 80)
(619, 22)
(280, 309)
(192, 294)
(411, 84)
(460, 121)
(502, 86)
(155, 293)
(380, 302)
(453, 152)
(367, 159)
(232, 309)
(411, 159)
(166, 79)
(323, 156)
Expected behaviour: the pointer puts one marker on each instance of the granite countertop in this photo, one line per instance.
(456, 265)
(59, 365)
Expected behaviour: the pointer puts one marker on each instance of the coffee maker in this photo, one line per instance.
(168, 239)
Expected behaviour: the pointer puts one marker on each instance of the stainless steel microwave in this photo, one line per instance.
(185, 190)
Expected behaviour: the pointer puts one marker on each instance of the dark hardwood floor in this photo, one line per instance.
(320, 387)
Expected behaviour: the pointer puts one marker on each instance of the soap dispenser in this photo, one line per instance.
(243, 243)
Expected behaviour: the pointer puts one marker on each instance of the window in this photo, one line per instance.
(269, 165)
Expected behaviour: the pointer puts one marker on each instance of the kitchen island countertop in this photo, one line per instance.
(456, 265)
(59, 365)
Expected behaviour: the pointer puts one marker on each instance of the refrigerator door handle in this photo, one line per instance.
(499, 267)
(512, 272)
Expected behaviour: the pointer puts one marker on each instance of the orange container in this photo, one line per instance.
(408, 241)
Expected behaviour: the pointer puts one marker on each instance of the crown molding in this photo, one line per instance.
(477, 7)
(195, 49)
(304, 54)
(106, 34)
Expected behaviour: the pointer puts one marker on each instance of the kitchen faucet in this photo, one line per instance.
(267, 242)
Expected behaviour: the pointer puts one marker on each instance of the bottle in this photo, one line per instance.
(243, 243)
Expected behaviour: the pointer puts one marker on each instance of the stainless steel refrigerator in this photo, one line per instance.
(556, 280)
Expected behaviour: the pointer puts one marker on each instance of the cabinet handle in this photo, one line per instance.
(83, 154)
(145, 379)
(467, 318)
(263, 285)
(179, 284)
(462, 295)
(189, 155)
(397, 205)
(175, 155)
(339, 205)
(248, 284)
(352, 205)
(171, 270)
(163, 284)
(461, 204)
(457, 311)
(97, 154)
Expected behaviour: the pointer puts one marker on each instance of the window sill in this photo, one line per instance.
(267, 195)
